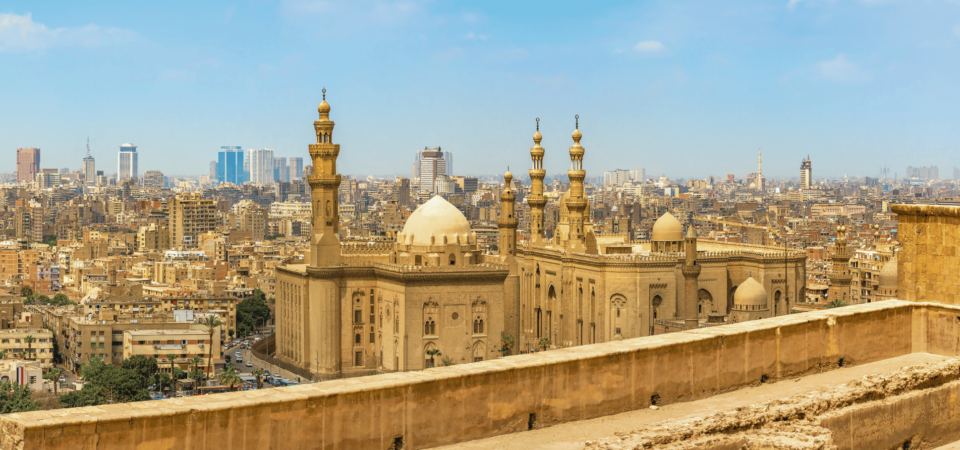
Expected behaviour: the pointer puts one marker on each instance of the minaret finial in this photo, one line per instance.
(538, 124)
(324, 94)
(577, 118)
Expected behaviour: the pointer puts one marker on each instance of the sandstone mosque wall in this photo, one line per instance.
(928, 268)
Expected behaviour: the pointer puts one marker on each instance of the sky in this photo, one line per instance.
(687, 89)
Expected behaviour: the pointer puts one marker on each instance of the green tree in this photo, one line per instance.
(252, 312)
(54, 375)
(42, 299)
(543, 343)
(30, 340)
(212, 323)
(60, 299)
(230, 377)
(25, 291)
(3, 354)
(231, 333)
(16, 398)
(446, 361)
(164, 380)
(172, 358)
(30, 299)
(433, 353)
(109, 384)
(145, 368)
(836, 304)
(259, 374)
(51, 240)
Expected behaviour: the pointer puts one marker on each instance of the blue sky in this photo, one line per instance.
(682, 88)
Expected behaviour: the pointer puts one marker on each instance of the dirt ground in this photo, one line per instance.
(574, 435)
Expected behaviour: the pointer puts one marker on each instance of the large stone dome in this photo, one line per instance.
(436, 217)
(750, 293)
(888, 274)
(667, 228)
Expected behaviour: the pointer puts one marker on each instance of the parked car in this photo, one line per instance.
(239, 359)
(249, 364)
(277, 375)
(237, 354)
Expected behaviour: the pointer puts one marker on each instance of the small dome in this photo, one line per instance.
(577, 135)
(324, 108)
(508, 176)
(435, 217)
(888, 274)
(750, 293)
(753, 185)
(537, 136)
(667, 228)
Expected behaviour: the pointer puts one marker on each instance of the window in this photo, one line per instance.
(357, 316)
(183, 342)
(371, 338)
(358, 358)
(356, 339)
(141, 342)
(93, 345)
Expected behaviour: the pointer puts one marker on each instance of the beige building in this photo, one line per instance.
(185, 344)
(14, 342)
(31, 376)
(354, 308)
(251, 218)
(190, 216)
(153, 237)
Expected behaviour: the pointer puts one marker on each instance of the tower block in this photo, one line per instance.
(325, 183)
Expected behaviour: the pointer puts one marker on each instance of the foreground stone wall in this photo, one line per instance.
(466, 402)
(928, 265)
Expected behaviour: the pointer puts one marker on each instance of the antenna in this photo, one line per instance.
(88, 146)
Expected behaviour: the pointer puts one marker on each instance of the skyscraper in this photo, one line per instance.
(127, 162)
(296, 168)
(280, 170)
(448, 157)
(28, 164)
(430, 164)
(639, 175)
(261, 165)
(230, 166)
(806, 174)
(89, 167)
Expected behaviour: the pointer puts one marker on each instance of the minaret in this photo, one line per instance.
(759, 162)
(840, 272)
(508, 220)
(325, 183)
(576, 204)
(535, 198)
(691, 273)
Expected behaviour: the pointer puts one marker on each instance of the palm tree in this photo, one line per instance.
(543, 343)
(212, 323)
(173, 381)
(196, 360)
(30, 340)
(259, 374)
(230, 377)
(433, 352)
(54, 374)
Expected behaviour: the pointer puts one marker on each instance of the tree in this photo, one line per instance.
(231, 333)
(30, 340)
(446, 361)
(57, 356)
(61, 299)
(172, 357)
(54, 375)
(42, 299)
(3, 354)
(145, 368)
(252, 312)
(259, 374)
(543, 343)
(212, 323)
(227, 358)
(164, 380)
(230, 377)
(25, 291)
(16, 398)
(433, 352)
(109, 384)
(196, 374)
(836, 304)
(506, 344)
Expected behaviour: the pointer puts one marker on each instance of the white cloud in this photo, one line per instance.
(355, 12)
(841, 69)
(21, 33)
(792, 4)
(471, 35)
(648, 46)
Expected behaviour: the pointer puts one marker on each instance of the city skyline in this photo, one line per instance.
(857, 85)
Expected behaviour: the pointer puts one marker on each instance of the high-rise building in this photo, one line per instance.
(89, 167)
(28, 164)
(639, 175)
(213, 170)
(296, 168)
(48, 178)
(926, 173)
(616, 177)
(153, 178)
(430, 164)
(230, 165)
(806, 174)
(281, 172)
(190, 216)
(127, 162)
(261, 165)
(402, 188)
(448, 158)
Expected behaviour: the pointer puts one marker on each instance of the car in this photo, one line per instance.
(237, 354)
(249, 364)
(277, 375)
(239, 359)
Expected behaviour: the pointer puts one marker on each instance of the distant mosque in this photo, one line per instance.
(434, 297)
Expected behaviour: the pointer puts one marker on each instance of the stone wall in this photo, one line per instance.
(928, 262)
(465, 402)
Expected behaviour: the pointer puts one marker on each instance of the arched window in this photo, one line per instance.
(356, 339)
(453, 259)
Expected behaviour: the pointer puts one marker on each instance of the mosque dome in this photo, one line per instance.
(667, 228)
(577, 135)
(436, 217)
(888, 274)
(753, 185)
(324, 108)
(537, 136)
(750, 293)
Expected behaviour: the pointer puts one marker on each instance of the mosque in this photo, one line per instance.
(434, 297)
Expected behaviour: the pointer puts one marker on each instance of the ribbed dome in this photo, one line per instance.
(750, 292)
(667, 228)
(888, 274)
(437, 217)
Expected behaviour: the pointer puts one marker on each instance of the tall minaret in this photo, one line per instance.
(535, 198)
(508, 220)
(840, 275)
(325, 183)
(691, 274)
(576, 204)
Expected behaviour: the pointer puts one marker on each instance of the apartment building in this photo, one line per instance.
(14, 342)
(184, 344)
(190, 216)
